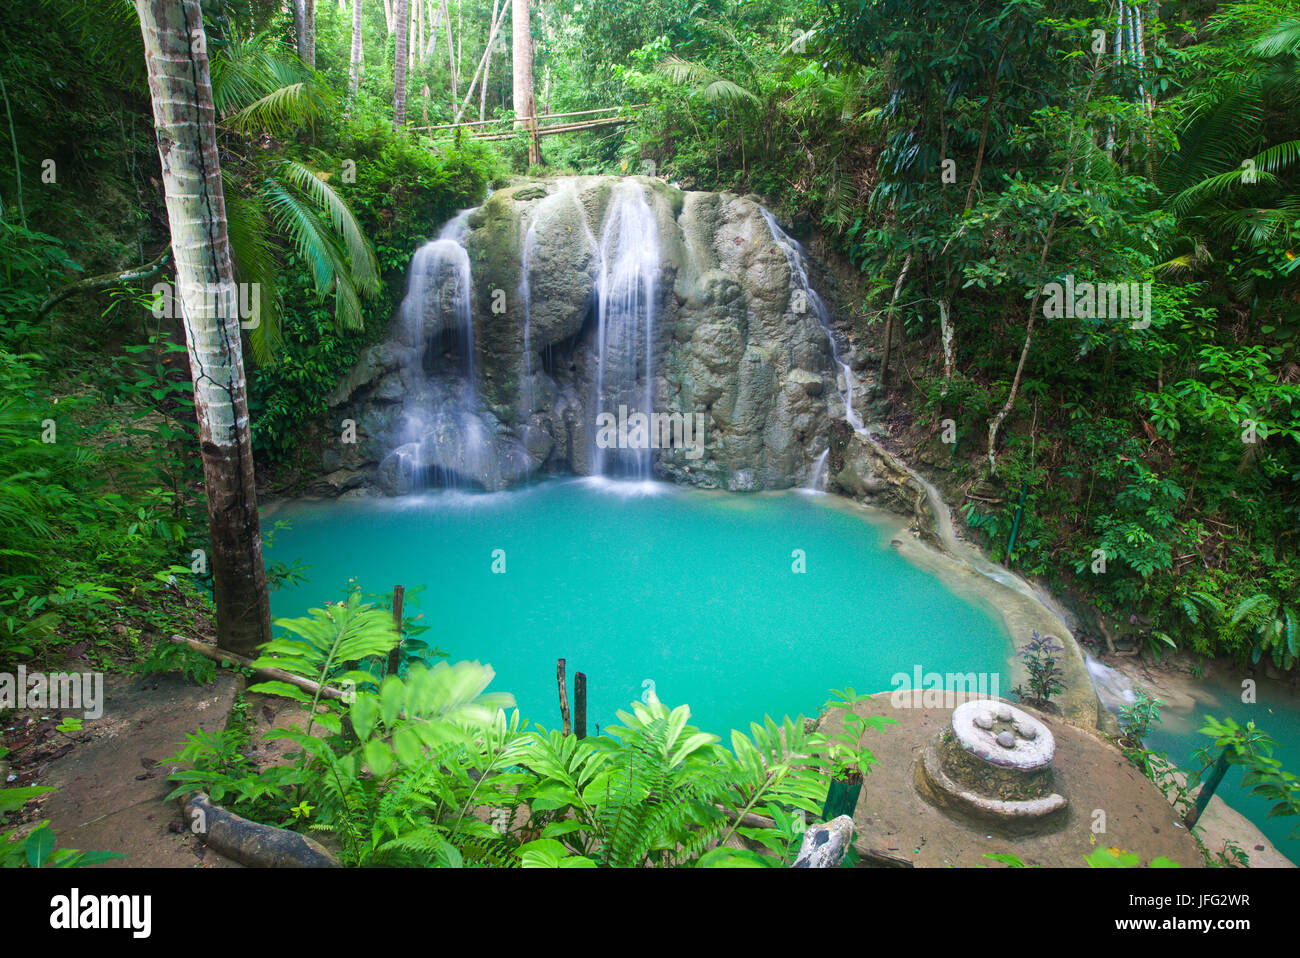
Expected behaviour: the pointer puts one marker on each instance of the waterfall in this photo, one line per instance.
(1112, 688)
(817, 477)
(443, 438)
(626, 298)
(526, 393)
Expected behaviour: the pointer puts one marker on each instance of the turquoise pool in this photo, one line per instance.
(637, 584)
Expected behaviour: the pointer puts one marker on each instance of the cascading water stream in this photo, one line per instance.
(1112, 688)
(817, 478)
(437, 303)
(626, 298)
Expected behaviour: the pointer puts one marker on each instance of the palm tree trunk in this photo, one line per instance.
(354, 69)
(402, 26)
(482, 63)
(184, 120)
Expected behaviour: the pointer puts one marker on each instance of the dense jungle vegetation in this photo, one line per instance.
(959, 158)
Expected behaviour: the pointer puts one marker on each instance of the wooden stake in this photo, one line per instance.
(580, 704)
(1207, 790)
(395, 656)
(564, 697)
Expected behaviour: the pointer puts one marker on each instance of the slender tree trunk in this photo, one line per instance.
(522, 63)
(300, 28)
(889, 323)
(988, 113)
(434, 26)
(358, 52)
(451, 54)
(945, 337)
(13, 140)
(482, 90)
(482, 63)
(388, 16)
(402, 23)
(184, 120)
(412, 35)
(310, 58)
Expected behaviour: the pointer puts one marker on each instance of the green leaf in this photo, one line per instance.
(39, 845)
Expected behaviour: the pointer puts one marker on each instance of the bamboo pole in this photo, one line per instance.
(566, 128)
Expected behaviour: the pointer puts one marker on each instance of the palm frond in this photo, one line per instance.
(319, 248)
(365, 268)
(286, 107)
(713, 87)
(254, 253)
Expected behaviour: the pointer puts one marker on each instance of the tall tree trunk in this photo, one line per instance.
(451, 53)
(310, 58)
(434, 26)
(522, 63)
(300, 28)
(945, 338)
(402, 25)
(487, 68)
(358, 52)
(988, 113)
(889, 323)
(184, 120)
(388, 16)
(482, 63)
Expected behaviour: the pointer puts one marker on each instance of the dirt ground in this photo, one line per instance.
(111, 785)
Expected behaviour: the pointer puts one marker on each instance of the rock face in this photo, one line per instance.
(732, 345)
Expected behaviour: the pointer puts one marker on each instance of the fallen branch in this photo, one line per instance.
(220, 656)
(92, 283)
(251, 843)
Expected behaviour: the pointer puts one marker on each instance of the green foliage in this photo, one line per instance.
(1040, 659)
(1252, 749)
(427, 768)
(1135, 719)
(851, 760)
(1119, 858)
(168, 657)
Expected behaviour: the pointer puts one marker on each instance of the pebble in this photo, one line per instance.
(1026, 731)
(1004, 713)
(1006, 740)
(984, 720)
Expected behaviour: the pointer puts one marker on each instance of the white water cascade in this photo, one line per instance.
(1113, 689)
(444, 436)
(626, 301)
